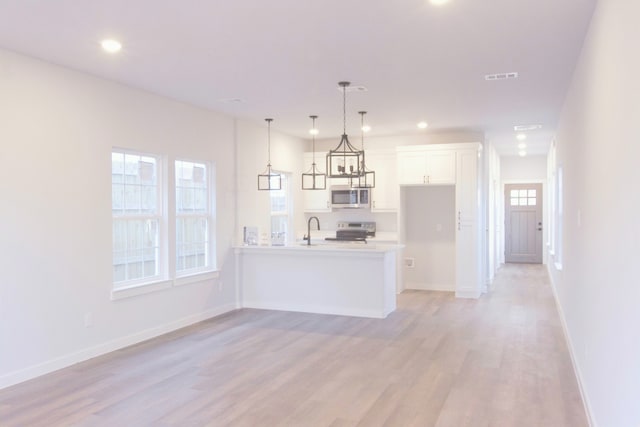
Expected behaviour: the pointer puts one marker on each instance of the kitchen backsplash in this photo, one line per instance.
(386, 223)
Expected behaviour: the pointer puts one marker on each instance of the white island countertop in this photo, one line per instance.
(341, 247)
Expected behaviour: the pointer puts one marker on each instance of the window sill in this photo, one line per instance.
(141, 289)
(200, 276)
(149, 287)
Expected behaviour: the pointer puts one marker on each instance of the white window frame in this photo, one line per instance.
(208, 216)
(158, 217)
(166, 218)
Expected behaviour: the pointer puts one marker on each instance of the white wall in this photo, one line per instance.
(523, 169)
(58, 128)
(598, 147)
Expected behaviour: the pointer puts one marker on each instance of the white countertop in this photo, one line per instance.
(325, 247)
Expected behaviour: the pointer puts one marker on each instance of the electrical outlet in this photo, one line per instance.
(88, 319)
(409, 262)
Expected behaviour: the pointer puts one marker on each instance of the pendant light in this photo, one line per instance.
(313, 179)
(268, 180)
(368, 177)
(345, 161)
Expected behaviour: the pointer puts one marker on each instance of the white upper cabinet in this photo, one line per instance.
(423, 165)
(316, 200)
(385, 196)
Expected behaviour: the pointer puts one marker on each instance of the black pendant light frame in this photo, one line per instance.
(345, 161)
(316, 179)
(368, 177)
(268, 180)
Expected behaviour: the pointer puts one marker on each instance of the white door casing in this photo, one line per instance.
(523, 223)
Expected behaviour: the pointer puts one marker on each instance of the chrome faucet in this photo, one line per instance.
(308, 236)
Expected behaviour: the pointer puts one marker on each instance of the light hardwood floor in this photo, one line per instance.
(437, 361)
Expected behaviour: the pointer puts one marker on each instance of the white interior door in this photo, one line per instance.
(523, 223)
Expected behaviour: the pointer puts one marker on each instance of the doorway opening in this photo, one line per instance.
(523, 223)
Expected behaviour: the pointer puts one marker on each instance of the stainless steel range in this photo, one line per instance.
(354, 231)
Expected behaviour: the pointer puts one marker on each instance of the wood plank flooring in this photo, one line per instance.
(437, 361)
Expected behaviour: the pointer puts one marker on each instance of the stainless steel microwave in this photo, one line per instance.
(345, 197)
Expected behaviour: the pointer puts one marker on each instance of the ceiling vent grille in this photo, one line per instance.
(501, 76)
(524, 128)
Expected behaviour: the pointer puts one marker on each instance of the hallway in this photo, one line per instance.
(498, 361)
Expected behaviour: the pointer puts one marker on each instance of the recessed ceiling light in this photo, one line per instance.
(314, 131)
(522, 153)
(438, 2)
(111, 45)
(521, 137)
(423, 125)
(366, 128)
(522, 146)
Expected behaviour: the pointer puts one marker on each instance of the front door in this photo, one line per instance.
(523, 223)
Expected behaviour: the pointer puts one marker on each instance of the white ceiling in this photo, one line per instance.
(283, 58)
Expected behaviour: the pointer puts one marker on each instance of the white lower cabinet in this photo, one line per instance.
(386, 195)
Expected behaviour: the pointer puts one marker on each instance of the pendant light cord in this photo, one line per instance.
(344, 109)
(362, 113)
(313, 138)
(269, 142)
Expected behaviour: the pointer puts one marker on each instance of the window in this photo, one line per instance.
(280, 211)
(193, 213)
(142, 215)
(137, 212)
(523, 197)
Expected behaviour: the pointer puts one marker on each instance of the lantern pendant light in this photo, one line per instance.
(313, 179)
(345, 161)
(268, 180)
(368, 177)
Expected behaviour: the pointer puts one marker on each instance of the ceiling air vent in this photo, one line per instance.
(525, 128)
(501, 76)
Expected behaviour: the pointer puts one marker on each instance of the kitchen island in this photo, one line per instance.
(344, 279)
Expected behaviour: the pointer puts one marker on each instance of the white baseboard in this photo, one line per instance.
(468, 293)
(421, 286)
(40, 369)
(317, 309)
(567, 338)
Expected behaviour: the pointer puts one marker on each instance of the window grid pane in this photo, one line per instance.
(192, 216)
(135, 204)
